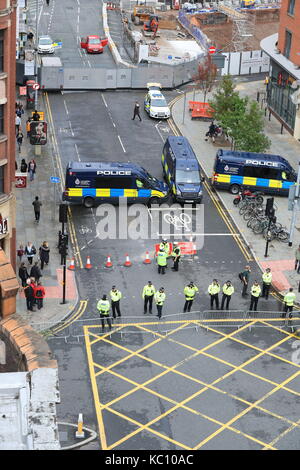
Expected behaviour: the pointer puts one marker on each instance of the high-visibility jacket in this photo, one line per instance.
(162, 258)
(255, 290)
(267, 278)
(213, 289)
(148, 291)
(115, 295)
(289, 299)
(159, 298)
(228, 290)
(165, 247)
(103, 307)
(190, 292)
(176, 252)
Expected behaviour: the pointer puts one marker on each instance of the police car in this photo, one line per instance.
(155, 103)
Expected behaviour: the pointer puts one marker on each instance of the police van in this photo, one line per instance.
(257, 171)
(90, 183)
(181, 170)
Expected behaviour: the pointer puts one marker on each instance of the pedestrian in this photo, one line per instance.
(297, 259)
(189, 291)
(37, 208)
(19, 140)
(17, 123)
(162, 261)
(255, 293)
(211, 131)
(30, 37)
(30, 251)
(28, 126)
(267, 280)
(148, 294)
(35, 116)
(213, 290)
(47, 2)
(35, 272)
(23, 274)
(44, 252)
(39, 295)
(244, 277)
(228, 290)
(136, 111)
(31, 169)
(103, 306)
(159, 298)
(165, 245)
(288, 301)
(20, 252)
(115, 296)
(176, 253)
(29, 295)
(23, 166)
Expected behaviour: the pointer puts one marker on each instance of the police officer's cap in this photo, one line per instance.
(104, 297)
(162, 288)
(149, 282)
(228, 282)
(113, 287)
(164, 239)
(191, 283)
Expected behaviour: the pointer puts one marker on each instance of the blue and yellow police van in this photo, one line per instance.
(234, 170)
(89, 183)
(181, 170)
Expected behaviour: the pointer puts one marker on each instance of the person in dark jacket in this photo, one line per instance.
(23, 274)
(36, 272)
(29, 295)
(44, 254)
(37, 208)
(39, 294)
(136, 111)
(19, 140)
(23, 166)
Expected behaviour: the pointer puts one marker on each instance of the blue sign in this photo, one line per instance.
(55, 179)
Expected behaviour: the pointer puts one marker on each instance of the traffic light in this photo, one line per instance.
(270, 211)
(63, 213)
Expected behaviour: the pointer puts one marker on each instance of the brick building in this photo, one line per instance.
(7, 128)
(283, 96)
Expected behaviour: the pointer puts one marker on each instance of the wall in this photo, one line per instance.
(292, 23)
(245, 63)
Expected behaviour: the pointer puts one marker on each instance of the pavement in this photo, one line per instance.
(47, 229)
(280, 256)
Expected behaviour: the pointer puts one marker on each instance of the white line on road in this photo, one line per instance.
(76, 148)
(201, 234)
(158, 131)
(65, 105)
(71, 129)
(121, 144)
(104, 100)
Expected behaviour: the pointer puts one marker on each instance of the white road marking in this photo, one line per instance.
(71, 129)
(76, 148)
(158, 131)
(104, 100)
(201, 234)
(121, 144)
(65, 105)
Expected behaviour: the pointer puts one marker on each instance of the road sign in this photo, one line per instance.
(212, 49)
(55, 179)
(35, 86)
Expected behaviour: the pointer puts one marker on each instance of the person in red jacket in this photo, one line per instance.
(39, 294)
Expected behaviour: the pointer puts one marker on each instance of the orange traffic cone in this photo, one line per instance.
(147, 260)
(127, 261)
(88, 263)
(72, 265)
(108, 263)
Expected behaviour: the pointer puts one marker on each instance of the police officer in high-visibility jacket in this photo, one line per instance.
(255, 293)
(189, 291)
(103, 306)
(159, 298)
(267, 279)
(115, 296)
(289, 300)
(228, 290)
(165, 245)
(148, 294)
(176, 253)
(162, 262)
(213, 290)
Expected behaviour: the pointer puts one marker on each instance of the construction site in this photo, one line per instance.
(171, 34)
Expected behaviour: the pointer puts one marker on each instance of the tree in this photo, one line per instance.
(206, 76)
(225, 98)
(249, 135)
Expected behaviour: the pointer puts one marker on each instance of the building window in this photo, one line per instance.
(291, 7)
(1, 118)
(288, 42)
(2, 179)
(1, 50)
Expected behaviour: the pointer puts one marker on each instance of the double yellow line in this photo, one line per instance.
(225, 216)
(76, 315)
(57, 157)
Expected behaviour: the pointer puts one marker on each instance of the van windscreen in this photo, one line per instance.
(183, 176)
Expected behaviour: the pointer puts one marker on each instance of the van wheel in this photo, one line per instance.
(234, 189)
(153, 200)
(88, 202)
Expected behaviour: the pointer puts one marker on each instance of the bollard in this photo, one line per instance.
(80, 433)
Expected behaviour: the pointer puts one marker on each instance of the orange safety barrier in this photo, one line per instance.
(186, 248)
(202, 110)
(192, 104)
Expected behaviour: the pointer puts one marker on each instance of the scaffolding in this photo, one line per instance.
(243, 26)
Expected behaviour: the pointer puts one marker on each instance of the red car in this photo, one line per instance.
(93, 44)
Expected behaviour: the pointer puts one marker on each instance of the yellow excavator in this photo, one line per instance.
(141, 14)
(247, 3)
